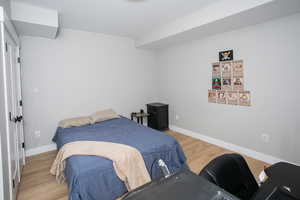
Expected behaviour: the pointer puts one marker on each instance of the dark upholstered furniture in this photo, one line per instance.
(183, 185)
(231, 172)
(283, 182)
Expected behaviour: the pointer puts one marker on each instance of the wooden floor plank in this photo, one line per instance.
(38, 183)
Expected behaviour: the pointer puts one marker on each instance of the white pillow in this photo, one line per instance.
(78, 121)
(103, 115)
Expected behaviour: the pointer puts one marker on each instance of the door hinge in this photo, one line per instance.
(23, 145)
(6, 47)
(10, 116)
(21, 103)
(19, 60)
(13, 183)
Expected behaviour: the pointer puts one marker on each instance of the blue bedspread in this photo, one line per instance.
(93, 178)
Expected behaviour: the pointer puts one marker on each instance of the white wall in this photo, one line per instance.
(80, 73)
(271, 55)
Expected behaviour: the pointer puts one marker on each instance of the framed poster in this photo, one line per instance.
(212, 96)
(238, 68)
(238, 83)
(225, 55)
(226, 68)
(221, 97)
(216, 70)
(232, 97)
(226, 84)
(216, 83)
(244, 98)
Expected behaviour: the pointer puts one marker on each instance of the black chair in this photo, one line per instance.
(281, 193)
(231, 172)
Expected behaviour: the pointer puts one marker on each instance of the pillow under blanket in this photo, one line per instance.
(103, 116)
(78, 121)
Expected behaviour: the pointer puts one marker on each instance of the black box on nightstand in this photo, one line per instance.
(158, 116)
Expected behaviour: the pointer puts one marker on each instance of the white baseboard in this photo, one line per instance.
(41, 149)
(233, 147)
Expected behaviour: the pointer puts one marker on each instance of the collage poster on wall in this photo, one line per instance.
(226, 69)
(216, 83)
(238, 69)
(216, 71)
(238, 76)
(232, 98)
(238, 84)
(221, 97)
(212, 96)
(244, 98)
(228, 83)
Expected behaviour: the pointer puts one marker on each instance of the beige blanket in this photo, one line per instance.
(127, 161)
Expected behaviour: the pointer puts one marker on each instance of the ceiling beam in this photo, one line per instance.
(216, 18)
(34, 21)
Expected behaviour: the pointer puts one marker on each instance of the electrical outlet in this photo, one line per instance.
(177, 117)
(37, 134)
(265, 138)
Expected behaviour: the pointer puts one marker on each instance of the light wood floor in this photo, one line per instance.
(37, 183)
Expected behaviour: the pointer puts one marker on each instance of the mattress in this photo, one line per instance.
(93, 178)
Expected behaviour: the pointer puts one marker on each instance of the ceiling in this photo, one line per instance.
(130, 18)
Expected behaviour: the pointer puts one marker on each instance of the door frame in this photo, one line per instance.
(6, 26)
(12, 110)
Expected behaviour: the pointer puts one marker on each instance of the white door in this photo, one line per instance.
(16, 82)
(13, 107)
(19, 106)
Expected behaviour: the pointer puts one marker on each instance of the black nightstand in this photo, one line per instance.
(158, 116)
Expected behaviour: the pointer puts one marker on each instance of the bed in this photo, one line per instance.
(93, 178)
